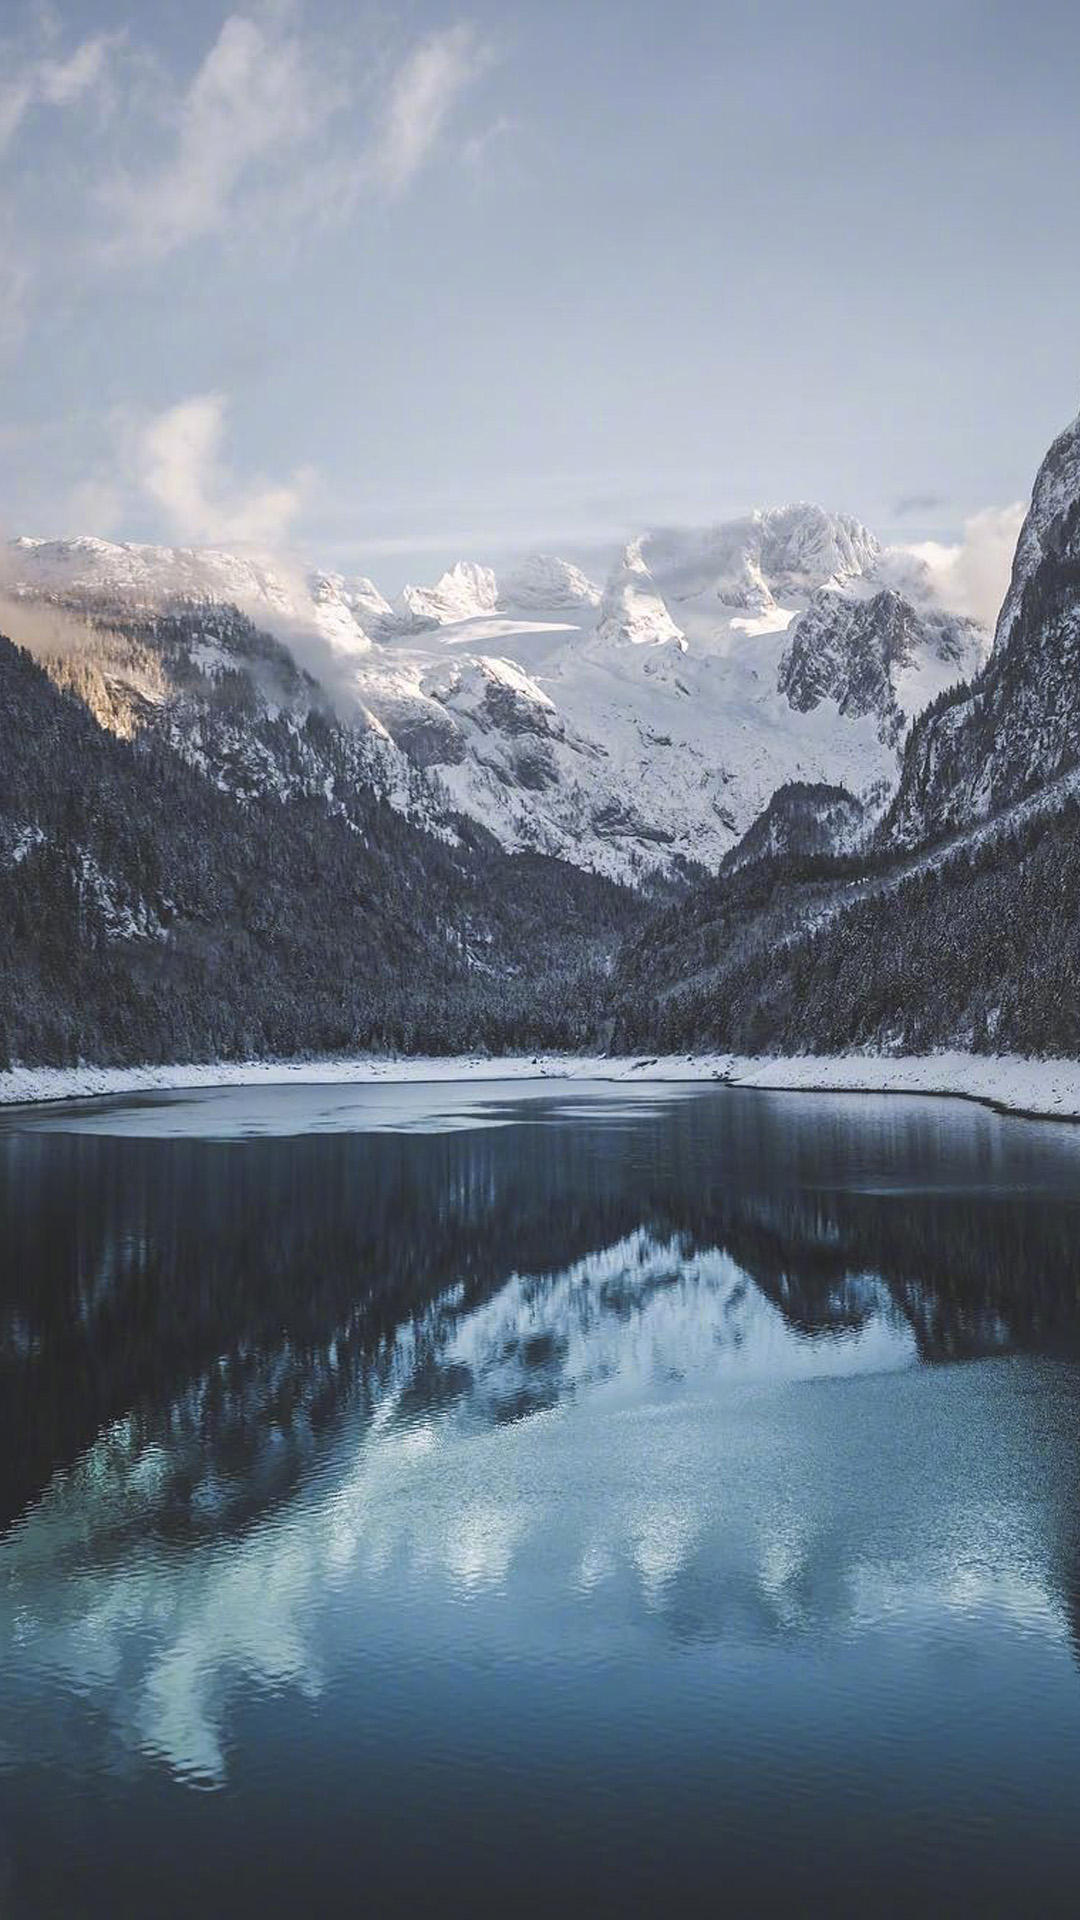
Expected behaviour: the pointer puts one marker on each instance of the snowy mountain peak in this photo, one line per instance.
(707, 585)
(359, 594)
(628, 731)
(544, 583)
(803, 547)
(632, 611)
(466, 592)
(154, 578)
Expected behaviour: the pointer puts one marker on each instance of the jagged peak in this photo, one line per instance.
(1056, 490)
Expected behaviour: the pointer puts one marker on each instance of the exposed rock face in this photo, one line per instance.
(865, 655)
(1018, 725)
(496, 694)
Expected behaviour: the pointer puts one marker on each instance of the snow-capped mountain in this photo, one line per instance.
(545, 584)
(884, 656)
(631, 729)
(466, 592)
(651, 723)
(955, 920)
(706, 578)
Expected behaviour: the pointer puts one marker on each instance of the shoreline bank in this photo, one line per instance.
(1037, 1089)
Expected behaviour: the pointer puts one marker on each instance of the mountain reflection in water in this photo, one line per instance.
(581, 1383)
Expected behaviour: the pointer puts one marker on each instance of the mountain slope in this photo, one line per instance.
(959, 922)
(635, 732)
(1018, 725)
(152, 911)
(716, 666)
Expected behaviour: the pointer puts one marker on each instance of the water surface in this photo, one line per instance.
(461, 1499)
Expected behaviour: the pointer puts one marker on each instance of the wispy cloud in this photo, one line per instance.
(423, 94)
(279, 120)
(972, 574)
(279, 128)
(259, 96)
(37, 76)
(179, 467)
(31, 82)
(476, 151)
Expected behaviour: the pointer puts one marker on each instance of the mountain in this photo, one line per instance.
(957, 921)
(884, 656)
(467, 592)
(233, 703)
(128, 576)
(1018, 725)
(635, 730)
(801, 821)
(218, 873)
(218, 840)
(545, 584)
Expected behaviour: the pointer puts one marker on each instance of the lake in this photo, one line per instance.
(475, 1498)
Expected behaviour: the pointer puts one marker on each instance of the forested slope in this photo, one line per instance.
(147, 913)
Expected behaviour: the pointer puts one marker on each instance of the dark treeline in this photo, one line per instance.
(980, 948)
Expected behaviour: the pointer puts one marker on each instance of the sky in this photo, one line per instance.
(388, 285)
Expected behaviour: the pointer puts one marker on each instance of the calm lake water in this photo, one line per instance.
(441, 1500)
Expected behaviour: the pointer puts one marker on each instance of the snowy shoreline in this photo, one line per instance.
(1043, 1089)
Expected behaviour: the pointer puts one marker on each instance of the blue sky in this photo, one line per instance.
(388, 285)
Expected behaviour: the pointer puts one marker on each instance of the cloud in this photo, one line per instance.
(179, 467)
(476, 150)
(973, 574)
(422, 96)
(275, 127)
(33, 77)
(46, 81)
(259, 96)
(44, 630)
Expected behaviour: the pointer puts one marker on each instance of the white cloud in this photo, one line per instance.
(34, 77)
(422, 96)
(276, 127)
(972, 575)
(46, 81)
(180, 468)
(477, 149)
(259, 95)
